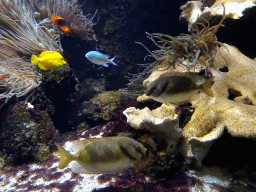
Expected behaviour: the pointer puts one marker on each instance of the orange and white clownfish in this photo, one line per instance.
(61, 24)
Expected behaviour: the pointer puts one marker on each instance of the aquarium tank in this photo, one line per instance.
(127, 95)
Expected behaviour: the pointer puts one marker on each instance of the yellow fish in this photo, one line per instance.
(104, 155)
(48, 60)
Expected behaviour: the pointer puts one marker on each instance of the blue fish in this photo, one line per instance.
(99, 58)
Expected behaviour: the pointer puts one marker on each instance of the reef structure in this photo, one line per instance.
(45, 175)
(231, 109)
(195, 12)
(27, 131)
(162, 122)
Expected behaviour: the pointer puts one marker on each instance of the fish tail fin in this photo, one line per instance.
(34, 58)
(112, 61)
(207, 87)
(65, 157)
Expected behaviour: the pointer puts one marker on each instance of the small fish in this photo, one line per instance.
(179, 89)
(99, 58)
(48, 60)
(61, 24)
(104, 155)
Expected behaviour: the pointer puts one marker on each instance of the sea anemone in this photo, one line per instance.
(17, 77)
(81, 25)
(201, 46)
(20, 37)
(25, 29)
(22, 34)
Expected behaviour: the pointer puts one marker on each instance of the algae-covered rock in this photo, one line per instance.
(27, 135)
(110, 101)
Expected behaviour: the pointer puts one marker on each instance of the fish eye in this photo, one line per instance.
(153, 88)
(138, 149)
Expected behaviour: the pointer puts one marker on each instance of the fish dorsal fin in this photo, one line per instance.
(98, 54)
(46, 52)
(78, 145)
(107, 56)
(197, 79)
(184, 74)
